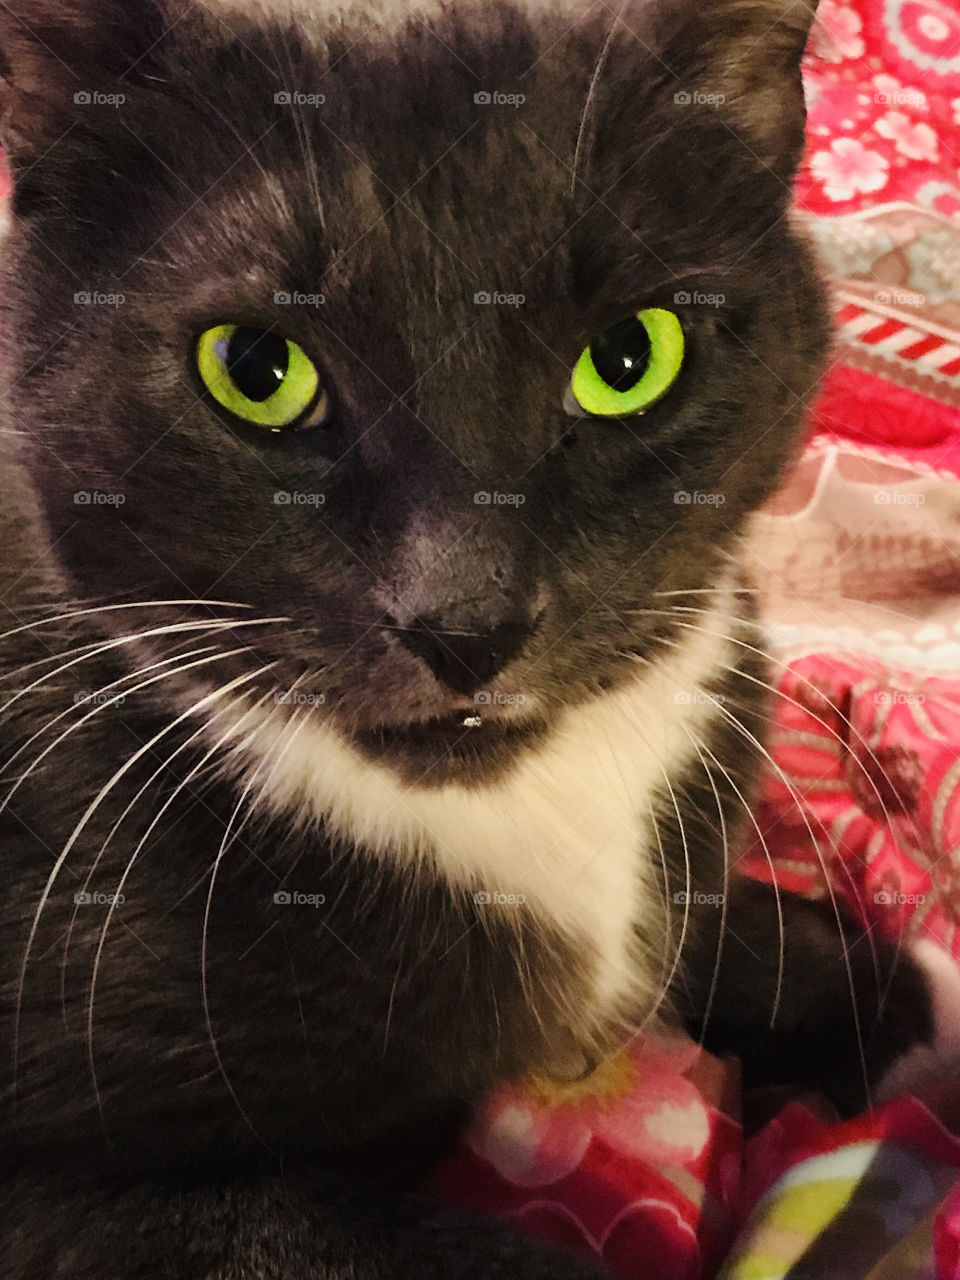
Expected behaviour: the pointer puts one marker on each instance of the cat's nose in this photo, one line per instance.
(464, 661)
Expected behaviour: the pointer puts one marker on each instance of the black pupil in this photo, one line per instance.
(621, 354)
(257, 362)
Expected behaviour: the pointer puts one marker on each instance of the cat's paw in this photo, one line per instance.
(938, 1057)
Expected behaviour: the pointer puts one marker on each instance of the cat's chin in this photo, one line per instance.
(474, 743)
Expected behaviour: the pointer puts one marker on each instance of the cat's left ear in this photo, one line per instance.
(745, 55)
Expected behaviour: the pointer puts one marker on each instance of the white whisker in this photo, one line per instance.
(118, 894)
(167, 761)
(185, 628)
(136, 604)
(100, 705)
(94, 805)
(711, 994)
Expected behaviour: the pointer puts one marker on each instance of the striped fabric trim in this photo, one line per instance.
(906, 349)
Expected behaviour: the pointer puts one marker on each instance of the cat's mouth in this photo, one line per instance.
(466, 742)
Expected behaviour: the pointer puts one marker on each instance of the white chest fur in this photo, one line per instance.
(567, 829)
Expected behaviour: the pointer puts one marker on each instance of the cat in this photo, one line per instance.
(388, 389)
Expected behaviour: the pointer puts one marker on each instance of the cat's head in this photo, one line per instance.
(453, 333)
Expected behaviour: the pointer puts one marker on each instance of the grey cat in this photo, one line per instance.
(387, 390)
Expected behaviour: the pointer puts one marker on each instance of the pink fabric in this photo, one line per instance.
(883, 91)
(642, 1163)
(867, 794)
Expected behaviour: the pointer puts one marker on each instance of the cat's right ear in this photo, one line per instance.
(745, 56)
(62, 62)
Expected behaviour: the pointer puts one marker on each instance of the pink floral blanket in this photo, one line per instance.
(646, 1164)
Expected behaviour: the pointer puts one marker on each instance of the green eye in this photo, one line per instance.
(629, 366)
(261, 377)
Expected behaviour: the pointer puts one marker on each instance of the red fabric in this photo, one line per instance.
(859, 406)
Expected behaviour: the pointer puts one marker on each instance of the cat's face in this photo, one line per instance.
(451, 525)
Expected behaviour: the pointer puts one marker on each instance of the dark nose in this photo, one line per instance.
(464, 661)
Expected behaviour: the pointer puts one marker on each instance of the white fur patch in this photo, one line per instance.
(567, 828)
(926, 1063)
